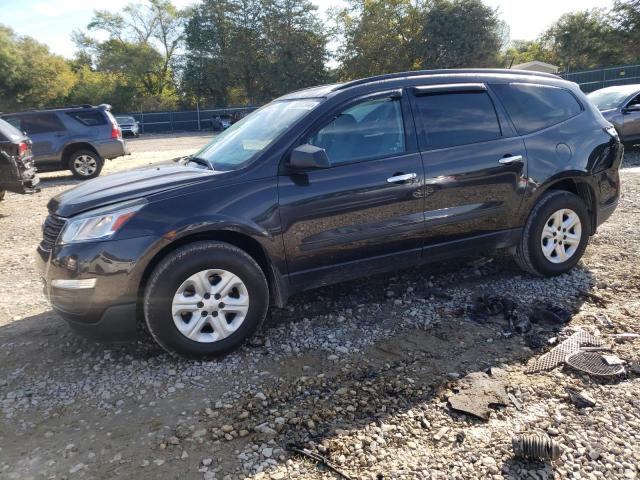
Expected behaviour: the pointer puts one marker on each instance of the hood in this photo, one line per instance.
(127, 185)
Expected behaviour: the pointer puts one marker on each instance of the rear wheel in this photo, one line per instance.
(555, 236)
(85, 164)
(205, 299)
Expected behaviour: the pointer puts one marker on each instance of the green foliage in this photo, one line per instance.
(378, 36)
(252, 50)
(583, 40)
(460, 33)
(626, 22)
(31, 75)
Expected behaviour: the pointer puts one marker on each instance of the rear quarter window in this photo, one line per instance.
(90, 119)
(9, 132)
(534, 107)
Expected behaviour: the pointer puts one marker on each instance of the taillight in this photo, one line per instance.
(22, 148)
(115, 131)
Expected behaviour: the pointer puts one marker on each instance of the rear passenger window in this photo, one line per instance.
(38, 123)
(91, 119)
(450, 119)
(534, 107)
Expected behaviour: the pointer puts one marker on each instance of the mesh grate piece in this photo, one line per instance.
(557, 355)
(594, 364)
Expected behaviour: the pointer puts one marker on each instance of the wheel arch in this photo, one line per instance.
(71, 148)
(578, 185)
(277, 289)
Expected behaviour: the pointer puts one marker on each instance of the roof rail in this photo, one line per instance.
(420, 73)
(66, 107)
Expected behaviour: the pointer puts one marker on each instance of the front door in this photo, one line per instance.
(474, 165)
(364, 213)
(631, 121)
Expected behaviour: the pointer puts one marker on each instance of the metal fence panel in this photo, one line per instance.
(184, 120)
(591, 80)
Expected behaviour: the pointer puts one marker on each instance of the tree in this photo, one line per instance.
(142, 47)
(252, 50)
(523, 51)
(295, 44)
(31, 75)
(582, 40)
(378, 36)
(460, 33)
(626, 22)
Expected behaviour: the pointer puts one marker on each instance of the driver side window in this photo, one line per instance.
(367, 130)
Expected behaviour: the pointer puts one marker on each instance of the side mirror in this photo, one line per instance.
(633, 108)
(308, 156)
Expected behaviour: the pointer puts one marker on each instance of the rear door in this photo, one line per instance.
(365, 211)
(45, 130)
(474, 164)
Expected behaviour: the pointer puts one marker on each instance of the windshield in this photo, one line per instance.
(241, 142)
(608, 99)
(125, 119)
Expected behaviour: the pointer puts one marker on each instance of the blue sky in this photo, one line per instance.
(52, 21)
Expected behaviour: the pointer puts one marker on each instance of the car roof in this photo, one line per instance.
(68, 108)
(443, 75)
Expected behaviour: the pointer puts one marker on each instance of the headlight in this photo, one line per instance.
(100, 224)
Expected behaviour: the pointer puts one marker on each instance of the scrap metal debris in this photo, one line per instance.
(477, 392)
(581, 399)
(557, 355)
(550, 314)
(316, 457)
(488, 306)
(596, 364)
(535, 447)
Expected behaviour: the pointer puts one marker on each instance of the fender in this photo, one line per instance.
(573, 181)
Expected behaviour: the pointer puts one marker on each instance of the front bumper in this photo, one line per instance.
(107, 310)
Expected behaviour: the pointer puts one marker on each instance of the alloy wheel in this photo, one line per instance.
(85, 165)
(561, 235)
(210, 305)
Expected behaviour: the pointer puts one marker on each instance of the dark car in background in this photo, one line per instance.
(77, 138)
(621, 106)
(17, 168)
(328, 184)
(128, 125)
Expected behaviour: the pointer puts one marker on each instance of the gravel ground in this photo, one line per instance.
(358, 372)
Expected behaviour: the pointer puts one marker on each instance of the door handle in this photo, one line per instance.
(510, 159)
(402, 178)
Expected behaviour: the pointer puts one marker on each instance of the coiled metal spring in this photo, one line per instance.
(535, 447)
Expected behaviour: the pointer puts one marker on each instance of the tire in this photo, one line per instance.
(174, 274)
(529, 254)
(85, 164)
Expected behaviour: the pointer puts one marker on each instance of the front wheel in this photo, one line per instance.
(85, 164)
(205, 299)
(555, 236)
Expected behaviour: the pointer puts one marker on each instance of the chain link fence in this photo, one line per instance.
(185, 120)
(590, 80)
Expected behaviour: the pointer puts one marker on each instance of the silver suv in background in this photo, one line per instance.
(77, 138)
(128, 125)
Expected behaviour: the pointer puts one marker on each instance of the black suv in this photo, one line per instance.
(328, 184)
(78, 138)
(17, 169)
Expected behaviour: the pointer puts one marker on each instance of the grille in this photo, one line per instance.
(50, 230)
(557, 355)
(594, 364)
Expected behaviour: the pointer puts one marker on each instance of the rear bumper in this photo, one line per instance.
(113, 148)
